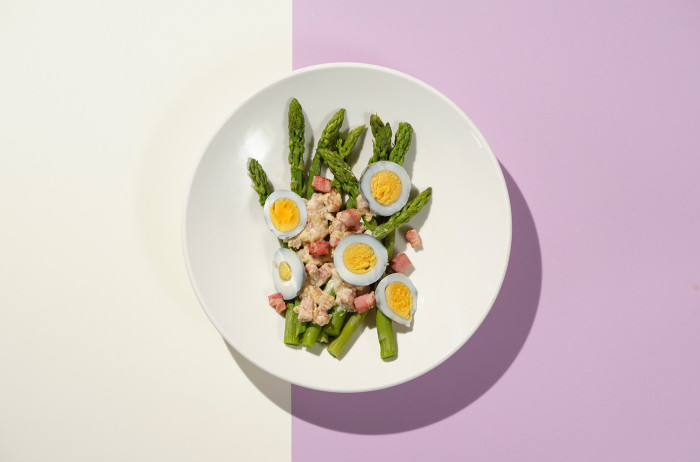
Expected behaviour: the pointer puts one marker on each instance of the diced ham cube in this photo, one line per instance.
(413, 238)
(350, 217)
(365, 302)
(319, 248)
(400, 263)
(321, 184)
(277, 302)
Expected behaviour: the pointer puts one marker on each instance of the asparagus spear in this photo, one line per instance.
(337, 346)
(260, 183)
(385, 329)
(341, 171)
(404, 215)
(385, 334)
(296, 146)
(291, 319)
(401, 143)
(345, 147)
(336, 323)
(323, 338)
(381, 145)
(310, 335)
(328, 140)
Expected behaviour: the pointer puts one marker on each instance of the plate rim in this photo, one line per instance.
(315, 68)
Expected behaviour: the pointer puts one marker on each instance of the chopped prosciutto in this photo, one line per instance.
(400, 263)
(277, 302)
(365, 302)
(321, 184)
(319, 248)
(350, 217)
(413, 238)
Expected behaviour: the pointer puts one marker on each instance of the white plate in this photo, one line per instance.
(466, 230)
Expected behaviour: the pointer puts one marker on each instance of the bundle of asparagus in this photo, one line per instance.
(335, 151)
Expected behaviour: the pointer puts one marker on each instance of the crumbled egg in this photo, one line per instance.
(386, 187)
(360, 259)
(285, 213)
(396, 298)
(288, 273)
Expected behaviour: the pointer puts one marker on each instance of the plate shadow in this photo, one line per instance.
(275, 389)
(466, 375)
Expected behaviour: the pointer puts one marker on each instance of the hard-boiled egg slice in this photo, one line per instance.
(285, 213)
(288, 273)
(386, 187)
(396, 298)
(360, 259)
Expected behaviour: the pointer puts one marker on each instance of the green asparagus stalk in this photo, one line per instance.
(345, 147)
(323, 338)
(341, 171)
(404, 215)
(311, 335)
(260, 183)
(381, 145)
(389, 242)
(351, 203)
(385, 329)
(336, 322)
(296, 147)
(328, 140)
(337, 346)
(291, 321)
(385, 334)
(338, 187)
(401, 143)
(300, 327)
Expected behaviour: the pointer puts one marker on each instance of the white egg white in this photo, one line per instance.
(372, 275)
(376, 167)
(286, 194)
(382, 304)
(288, 289)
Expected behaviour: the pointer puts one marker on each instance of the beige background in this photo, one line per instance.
(104, 351)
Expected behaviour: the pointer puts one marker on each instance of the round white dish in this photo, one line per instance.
(466, 229)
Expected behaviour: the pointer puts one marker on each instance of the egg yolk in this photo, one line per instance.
(284, 214)
(359, 258)
(399, 298)
(385, 187)
(285, 271)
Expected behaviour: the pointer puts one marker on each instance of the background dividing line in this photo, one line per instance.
(590, 352)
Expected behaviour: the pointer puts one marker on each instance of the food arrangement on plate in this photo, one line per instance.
(336, 263)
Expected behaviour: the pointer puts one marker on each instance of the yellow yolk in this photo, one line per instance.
(359, 258)
(399, 299)
(385, 187)
(285, 271)
(284, 214)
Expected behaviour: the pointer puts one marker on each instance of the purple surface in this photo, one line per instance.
(592, 350)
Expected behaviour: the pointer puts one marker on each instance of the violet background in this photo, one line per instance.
(592, 349)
